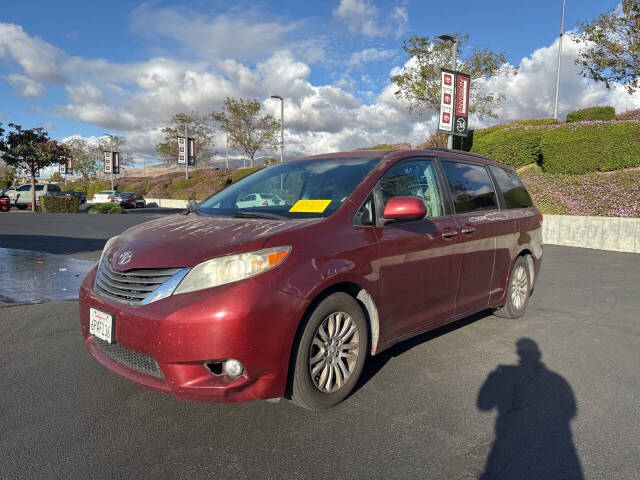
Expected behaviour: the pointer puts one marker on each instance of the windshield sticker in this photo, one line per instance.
(310, 206)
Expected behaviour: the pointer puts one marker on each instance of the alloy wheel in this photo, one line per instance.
(334, 352)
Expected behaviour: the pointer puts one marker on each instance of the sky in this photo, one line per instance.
(124, 67)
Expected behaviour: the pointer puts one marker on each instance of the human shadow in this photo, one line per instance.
(533, 429)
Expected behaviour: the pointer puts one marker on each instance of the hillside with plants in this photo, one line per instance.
(200, 185)
(587, 165)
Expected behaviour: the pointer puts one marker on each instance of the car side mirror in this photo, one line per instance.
(404, 208)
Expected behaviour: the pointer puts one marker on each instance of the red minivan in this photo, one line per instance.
(365, 249)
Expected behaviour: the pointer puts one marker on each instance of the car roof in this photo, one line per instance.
(395, 154)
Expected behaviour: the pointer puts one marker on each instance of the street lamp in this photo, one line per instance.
(555, 109)
(445, 37)
(281, 126)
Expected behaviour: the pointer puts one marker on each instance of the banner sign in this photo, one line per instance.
(445, 124)
(454, 103)
(182, 150)
(116, 163)
(191, 142)
(69, 166)
(63, 168)
(461, 117)
(107, 162)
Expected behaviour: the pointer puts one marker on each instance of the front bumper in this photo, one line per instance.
(245, 320)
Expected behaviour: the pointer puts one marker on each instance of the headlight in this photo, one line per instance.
(231, 268)
(107, 246)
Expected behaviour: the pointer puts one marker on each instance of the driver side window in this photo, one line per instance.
(415, 178)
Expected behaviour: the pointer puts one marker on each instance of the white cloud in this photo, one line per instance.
(368, 55)
(25, 86)
(531, 93)
(245, 37)
(362, 16)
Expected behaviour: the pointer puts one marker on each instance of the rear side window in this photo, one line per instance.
(513, 191)
(470, 186)
(54, 188)
(39, 188)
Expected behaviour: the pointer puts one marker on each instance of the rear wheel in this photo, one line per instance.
(330, 353)
(21, 207)
(518, 291)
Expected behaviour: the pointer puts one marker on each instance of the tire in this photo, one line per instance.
(519, 280)
(21, 207)
(332, 359)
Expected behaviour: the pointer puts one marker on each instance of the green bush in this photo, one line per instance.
(59, 204)
(593, 113)
(4, 184)
(98, 186)
(106, 208)
(588, 148)
(516, 145)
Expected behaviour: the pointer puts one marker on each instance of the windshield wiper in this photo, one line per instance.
(273, 216)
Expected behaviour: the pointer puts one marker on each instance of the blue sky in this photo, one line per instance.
(84, 68)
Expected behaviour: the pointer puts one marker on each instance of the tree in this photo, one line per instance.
(199, 128)
(419, 81)
(610, 46)
(56, 177)
(85, 158)
(31, 150)
(248, 130)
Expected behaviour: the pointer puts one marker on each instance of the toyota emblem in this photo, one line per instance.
(125, 257)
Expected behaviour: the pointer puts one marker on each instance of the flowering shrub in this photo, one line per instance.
(614, 194)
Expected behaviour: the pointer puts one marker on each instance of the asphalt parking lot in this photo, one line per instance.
(443, 405)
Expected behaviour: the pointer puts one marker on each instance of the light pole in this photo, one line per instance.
(227, 150)
(555, 109)
(281, 126)
(445, 37)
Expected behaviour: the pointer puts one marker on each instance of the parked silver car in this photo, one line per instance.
(25, 197)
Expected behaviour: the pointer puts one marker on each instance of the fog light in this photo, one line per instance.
(232, 368)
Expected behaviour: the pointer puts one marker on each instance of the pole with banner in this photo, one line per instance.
(108, 166)
(461, 113)
(182, 151)
(454, 104)
(445, 123)
(186, 163)
(191, 152)
(116, 162)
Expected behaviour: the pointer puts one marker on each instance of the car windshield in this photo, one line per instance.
(299, 189)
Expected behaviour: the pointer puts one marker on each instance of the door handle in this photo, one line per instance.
(449, 233)
(468, 230)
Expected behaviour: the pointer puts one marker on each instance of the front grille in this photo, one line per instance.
(131, 286)
(134, 360)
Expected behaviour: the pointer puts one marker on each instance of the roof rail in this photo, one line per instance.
(453, 150)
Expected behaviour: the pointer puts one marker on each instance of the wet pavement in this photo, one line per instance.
(37, 277)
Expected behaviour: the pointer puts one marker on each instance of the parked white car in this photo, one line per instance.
(259, 200)
(104, 196)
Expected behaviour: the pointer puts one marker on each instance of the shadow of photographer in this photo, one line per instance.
(533, 429)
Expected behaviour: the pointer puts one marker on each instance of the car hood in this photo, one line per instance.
(186, 240)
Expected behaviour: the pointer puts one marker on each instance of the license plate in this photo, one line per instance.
(101, 325)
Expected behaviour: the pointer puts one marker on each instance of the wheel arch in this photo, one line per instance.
(366, 302)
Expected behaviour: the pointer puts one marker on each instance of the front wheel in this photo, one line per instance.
(518, 291)
(330, 353)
